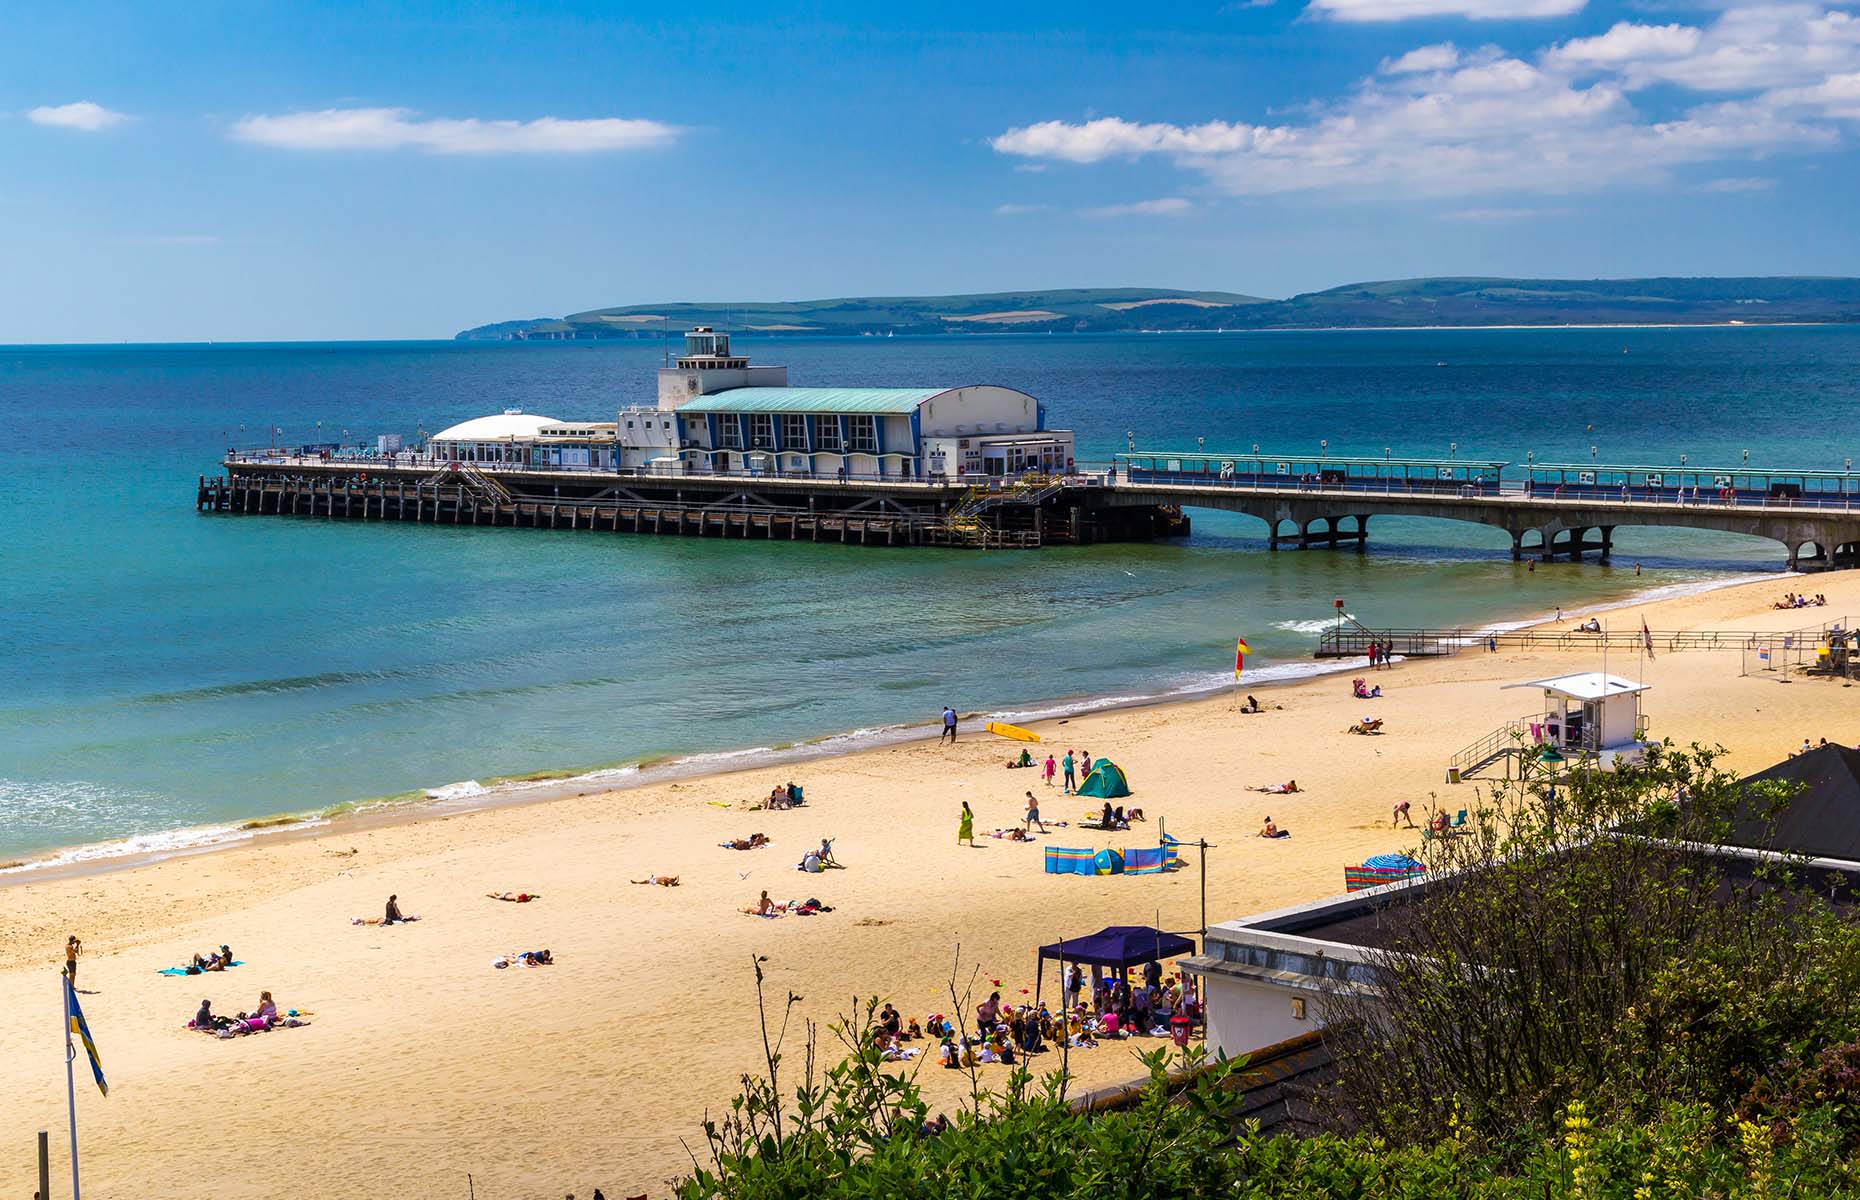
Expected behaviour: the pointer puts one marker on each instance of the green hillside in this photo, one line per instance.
(1385, 303)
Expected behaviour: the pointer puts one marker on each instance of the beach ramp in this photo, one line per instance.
(1106, 781)
(1061, 860)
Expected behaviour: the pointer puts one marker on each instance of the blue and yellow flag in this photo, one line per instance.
(74, 1017)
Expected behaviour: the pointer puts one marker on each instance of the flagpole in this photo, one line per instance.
(70, 1084)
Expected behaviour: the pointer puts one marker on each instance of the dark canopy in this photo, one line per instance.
(1823, 818)
(1120, 946)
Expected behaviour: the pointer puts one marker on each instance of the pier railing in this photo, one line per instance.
(1348, 642)
(1080, 476)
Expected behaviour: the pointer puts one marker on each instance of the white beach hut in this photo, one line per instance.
(1591, 715)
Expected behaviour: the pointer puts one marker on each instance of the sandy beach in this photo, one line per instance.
(423, 1064)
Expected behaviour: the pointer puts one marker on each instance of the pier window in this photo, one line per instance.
(828, 428)
(729, 432)
(761, 431)
(793, 431)
(862, 433)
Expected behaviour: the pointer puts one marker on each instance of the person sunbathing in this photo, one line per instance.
(661, 880)
(267, 1009)
(203, 1018)
(515, 897)
(1269, 830)
(778, 798)
(762, 907)
(1278, 789)
(754, 841)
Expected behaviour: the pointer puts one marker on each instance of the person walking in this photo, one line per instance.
(1051, 766)
(1072, 781)
(949, 724)
(965, 830)
(1033, 815)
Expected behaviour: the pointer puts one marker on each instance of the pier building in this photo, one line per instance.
(718, 413)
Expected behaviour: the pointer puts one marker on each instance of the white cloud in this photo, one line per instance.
(1742, 183)
(1442, 56)
(1837, 96)
(1169, 206)
(1626, 43)
(82, 114)
(1440, 121)
(1473, 10)
(1746, 48)
(399, 128)
(1020, 210)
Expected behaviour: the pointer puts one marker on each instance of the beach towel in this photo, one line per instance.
(185, 971)
(1062, 860)
(1148, 860)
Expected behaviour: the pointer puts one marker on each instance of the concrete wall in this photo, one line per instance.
(967, 411)
(1244, 1015)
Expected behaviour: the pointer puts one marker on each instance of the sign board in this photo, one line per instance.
(1585, 477)
(1443, 472)
(1655, 480)
(1227, 469)
(1723, 481)
(1285, 468)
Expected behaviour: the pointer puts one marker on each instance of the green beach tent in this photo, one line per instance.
(1106, 781)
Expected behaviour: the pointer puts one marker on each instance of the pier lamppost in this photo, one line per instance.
(1453, 449)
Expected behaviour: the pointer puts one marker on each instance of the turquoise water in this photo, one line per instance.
(168, 670)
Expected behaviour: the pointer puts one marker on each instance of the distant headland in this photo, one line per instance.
(1444, 301)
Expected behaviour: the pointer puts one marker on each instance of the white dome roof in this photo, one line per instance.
(512, 423)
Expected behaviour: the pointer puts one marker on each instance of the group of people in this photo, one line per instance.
(765, 907)
(1068, 770)
(1362, 691)
(1004, 1032)
(218, 960)
(1116, 816)
(263, 1017)
(1379, 656)
(785, 796)
(1794, 601)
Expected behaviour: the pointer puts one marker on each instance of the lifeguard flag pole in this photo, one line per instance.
(75, 1023)
(1241, 650)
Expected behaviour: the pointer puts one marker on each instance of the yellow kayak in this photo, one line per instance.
(1001, 729)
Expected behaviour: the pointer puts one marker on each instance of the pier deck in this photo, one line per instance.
(1815, 518)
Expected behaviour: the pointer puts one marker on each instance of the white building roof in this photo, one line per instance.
(1588, 685)
(509, 424)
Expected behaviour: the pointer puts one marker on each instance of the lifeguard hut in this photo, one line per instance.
(1591, 716)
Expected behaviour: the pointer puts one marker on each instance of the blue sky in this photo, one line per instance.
(255, 171)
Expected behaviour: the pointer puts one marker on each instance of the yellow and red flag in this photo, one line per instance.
(1241, 650)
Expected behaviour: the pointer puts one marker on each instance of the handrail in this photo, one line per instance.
(1338, 640)
(1489, 747)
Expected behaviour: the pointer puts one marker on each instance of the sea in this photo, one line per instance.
(169, 679)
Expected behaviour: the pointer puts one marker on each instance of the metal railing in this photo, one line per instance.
(1342, 642)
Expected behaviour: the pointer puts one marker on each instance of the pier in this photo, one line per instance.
(993, 514)
(1550, 511)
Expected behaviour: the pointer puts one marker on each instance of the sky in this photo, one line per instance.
(266, 171)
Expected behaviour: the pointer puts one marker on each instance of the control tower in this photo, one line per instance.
(707, 366)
